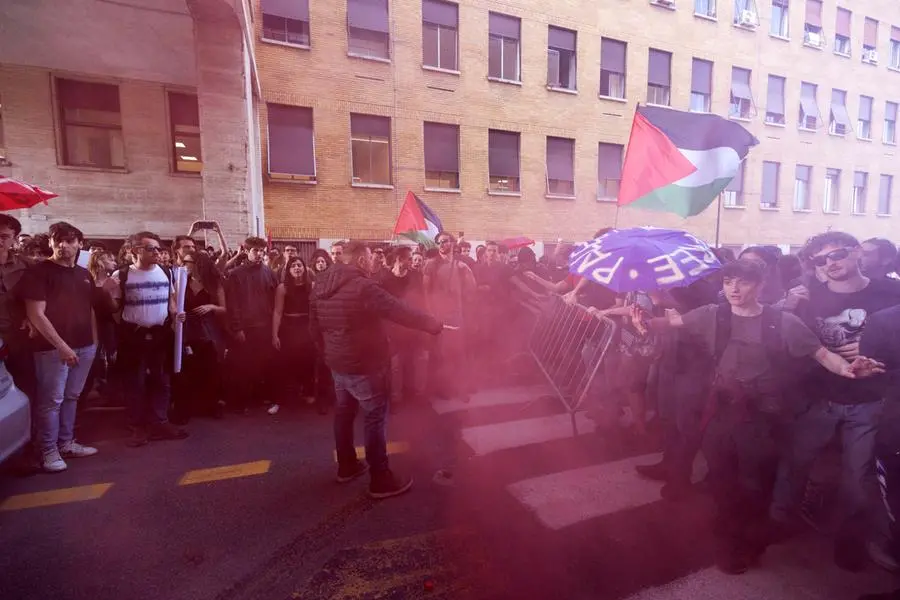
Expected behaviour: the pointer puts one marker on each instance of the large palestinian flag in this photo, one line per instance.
(680, 161)
(417, 222)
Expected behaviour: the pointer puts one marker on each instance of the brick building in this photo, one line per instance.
(138, 113)
(510, 117)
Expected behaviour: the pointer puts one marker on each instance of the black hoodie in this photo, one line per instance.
(345, 320)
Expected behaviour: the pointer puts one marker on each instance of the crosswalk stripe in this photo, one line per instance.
(485, 439)
(495, 397)
(568, 497)
(258, 467)
(392, 448)
(53, 497)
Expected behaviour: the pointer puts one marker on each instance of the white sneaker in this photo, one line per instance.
(75, 450)
(52, 462)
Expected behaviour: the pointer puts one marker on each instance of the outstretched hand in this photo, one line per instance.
(863, 367)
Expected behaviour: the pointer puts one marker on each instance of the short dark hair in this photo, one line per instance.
(97, 244)
(403, 252)
(766, 253)
(829, 238)
(340, 243)
(887, 251)
(255, 242)
(503, 249)
(62, 231)
(725, 255)
(744, 268)
(181, 238)
(465, 243)
(144, 235)
(490, 243)
(10, 222)
(355, 249)
(444, 233)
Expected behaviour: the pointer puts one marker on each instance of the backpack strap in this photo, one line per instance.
(123, 279)
(723, 330)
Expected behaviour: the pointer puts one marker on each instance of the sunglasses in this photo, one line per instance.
(833, 256)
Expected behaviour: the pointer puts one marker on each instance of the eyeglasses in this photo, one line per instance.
(833, 256)
(445, 241)
(188, 262)
(151, 249)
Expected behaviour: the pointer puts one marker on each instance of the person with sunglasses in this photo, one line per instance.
(837, 312)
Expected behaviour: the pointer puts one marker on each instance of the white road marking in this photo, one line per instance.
(484, 439)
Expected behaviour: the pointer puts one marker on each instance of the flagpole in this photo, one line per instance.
(718, 217)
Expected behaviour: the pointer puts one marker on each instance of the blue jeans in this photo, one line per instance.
(809, 435)
(370, 392)
(58, 389)
(144, 364)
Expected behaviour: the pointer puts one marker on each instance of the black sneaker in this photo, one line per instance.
(351, 472)
(656, 472)
(387, 485)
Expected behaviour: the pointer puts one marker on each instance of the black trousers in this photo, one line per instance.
(198, 388)
(250, 366)
(297, 359)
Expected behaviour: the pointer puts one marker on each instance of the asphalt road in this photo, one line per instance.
(247, 508)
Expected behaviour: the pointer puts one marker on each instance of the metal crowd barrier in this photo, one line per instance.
(569, 345)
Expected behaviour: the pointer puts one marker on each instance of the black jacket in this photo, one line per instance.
(250, 297)
(345, 320)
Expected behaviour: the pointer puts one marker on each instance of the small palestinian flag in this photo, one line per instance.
(678, 161)
(417, 222)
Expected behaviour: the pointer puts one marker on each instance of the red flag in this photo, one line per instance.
(410, 217)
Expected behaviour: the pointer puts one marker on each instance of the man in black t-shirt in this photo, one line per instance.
(58, 298)
(837, 312)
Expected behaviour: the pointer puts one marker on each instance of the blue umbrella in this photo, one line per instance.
(644, 259)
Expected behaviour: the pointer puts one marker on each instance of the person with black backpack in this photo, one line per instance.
(756, 349)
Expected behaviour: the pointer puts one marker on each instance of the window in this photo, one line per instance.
(184, 120)
(291, 147)
(890, 124)
(864, 124)
(286, 22)
(842, 32)
(441, 156)
(659, 78)
(503, 161)
(440, 23)
(370, 142)
(612, 68)
(812, 26)
(775, 100)
(839, 122)
(741, 96)
(368, 29)
(733, 196)
(895, 48)
(705, 8)
(701, 85)
(809, 107)
(609, 170)
(780, 18)
(870, 40)
(802, 179)
(561, 58)
(745, 13)
(560, 167)
(503, 47)
(769, 196)
(858, 205)
(91, 124)
(884, 194)
(831, 202)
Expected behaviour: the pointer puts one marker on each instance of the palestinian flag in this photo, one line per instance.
(417, 222)
(679, 162)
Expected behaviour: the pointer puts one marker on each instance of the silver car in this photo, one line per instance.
(15, 413)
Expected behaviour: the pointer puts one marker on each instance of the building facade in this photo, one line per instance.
(511, 118)
(139, 114)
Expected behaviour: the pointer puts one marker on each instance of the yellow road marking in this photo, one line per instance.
(258, 467)
(53, 497)
(392, 448)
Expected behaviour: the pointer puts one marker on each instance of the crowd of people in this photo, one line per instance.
(760, 366)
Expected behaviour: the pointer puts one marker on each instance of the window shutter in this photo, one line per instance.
(564, 39)
(503, 153)
(859, 179)
(740, 83)
(560, 159)
(184, 109)
(659, 68)
(775, 95)
(440, 13)
(895, 34)
(553, 67)
(88, 95)
(441, 147)
(865, 108)
(814, 13)
(870, 33)
(802, 173)
(287, 9)
(368, 14)
(701, 76)
(890, 111)
(612, 55)
(839, 108)
(370, 125)
(770, 183)
(842, 23)
(504, 25)
(609, 161)
(737, 184)
(291, 140)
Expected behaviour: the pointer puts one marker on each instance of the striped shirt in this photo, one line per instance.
(146, 302)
